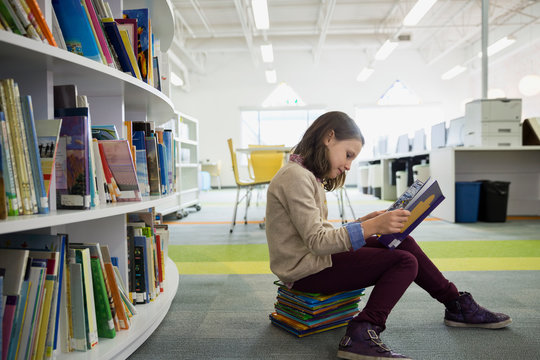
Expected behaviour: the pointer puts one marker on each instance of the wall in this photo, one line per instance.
(232, 81)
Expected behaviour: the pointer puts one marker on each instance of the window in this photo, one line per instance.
(276, 127)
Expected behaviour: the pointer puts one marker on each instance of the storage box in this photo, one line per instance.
(467, 201)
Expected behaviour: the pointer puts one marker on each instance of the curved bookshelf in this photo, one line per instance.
(148, 318)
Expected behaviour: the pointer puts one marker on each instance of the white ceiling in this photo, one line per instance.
(206, 28)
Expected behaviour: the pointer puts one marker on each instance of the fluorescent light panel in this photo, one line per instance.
(176, 80)
(453, 72)
(260, 14)
(386, 49)
(271, 76)
(417, 12)
(364, 74)
(498, 46)
(267, 53)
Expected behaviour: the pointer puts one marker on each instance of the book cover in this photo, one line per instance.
(115, 39)
(82, 256)
(20, 313)
(163, 169)
(72, 163)
(96, 25)
(40, 19)
(130, 25)
(65, 96)
(11, 18)
(37, 279)
(104, 132)
(120, 163)
(144, 58)
(152, 162)
(114, 191)
(57, 32)
(105, 323)
(142, 284)
(76, 28)
(123, 320)
(10, 184)
(47, 132)
(101, 182)
(420, 199)
(131, 55)
(78, 310)
(3, 195)
(34, 155)
(142, 172)
(168, 142)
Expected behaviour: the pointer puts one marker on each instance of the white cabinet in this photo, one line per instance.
(113, 97)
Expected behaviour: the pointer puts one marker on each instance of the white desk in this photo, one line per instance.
(518, 165)
(248, 150)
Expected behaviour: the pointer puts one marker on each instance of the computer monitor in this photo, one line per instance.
(419, 141)
(403, 144)
(455, 132)
(438, 135)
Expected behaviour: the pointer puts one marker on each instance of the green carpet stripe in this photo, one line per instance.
(434, 249)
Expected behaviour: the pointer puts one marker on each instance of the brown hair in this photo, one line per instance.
(314, 151)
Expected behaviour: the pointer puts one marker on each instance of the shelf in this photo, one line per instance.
(62, 217)
(148, 318)
(189, 142)
(91, 77)
(189, 191)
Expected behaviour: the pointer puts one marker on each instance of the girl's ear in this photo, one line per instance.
(329, 137)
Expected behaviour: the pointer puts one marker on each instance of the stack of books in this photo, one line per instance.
(303, 314)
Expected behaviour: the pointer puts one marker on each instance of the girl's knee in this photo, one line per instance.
(409, 262)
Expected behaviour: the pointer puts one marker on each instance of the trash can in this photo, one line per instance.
(493, 201)
(467, 201)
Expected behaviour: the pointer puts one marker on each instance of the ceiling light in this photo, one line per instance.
(529, 85)
(453, 72)
(417, 12)
(260, 13)
(386, 49)
(498, 46)
(267, 53)
(364, 74)
(176, 80)
(271, 76)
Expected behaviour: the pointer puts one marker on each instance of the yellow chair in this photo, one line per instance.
(241, 184)
(265, 164)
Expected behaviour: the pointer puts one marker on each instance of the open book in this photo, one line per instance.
(420, 199)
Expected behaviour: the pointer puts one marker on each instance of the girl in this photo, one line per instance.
(308, 254)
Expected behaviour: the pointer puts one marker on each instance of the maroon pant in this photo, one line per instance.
(389, 271)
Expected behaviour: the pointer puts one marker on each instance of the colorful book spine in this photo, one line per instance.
(105, 324)
(36, 11)
(82, 256)
(33, 150)
(78, 310)
(8, 168)
(114, 37)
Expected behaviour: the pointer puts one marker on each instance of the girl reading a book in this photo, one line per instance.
(309, 254)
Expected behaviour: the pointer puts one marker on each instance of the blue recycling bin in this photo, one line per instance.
(467, 201)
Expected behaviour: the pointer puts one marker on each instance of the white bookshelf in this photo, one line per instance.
(188, 162)
(114, 97)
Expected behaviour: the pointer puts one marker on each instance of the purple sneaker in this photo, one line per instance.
(362, 342)
(465, 312)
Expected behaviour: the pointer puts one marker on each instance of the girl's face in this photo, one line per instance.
(341, 154)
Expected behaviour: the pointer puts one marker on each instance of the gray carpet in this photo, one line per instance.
(226, 317)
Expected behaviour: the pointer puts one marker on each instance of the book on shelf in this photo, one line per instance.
(130, 25)
(11, 19)
(101, 182)
(82, 256)
(8, 166)
(42, 23)
(3, 195)
(144, 44)
(115, 39)
(10, 99)
(142, 172)
(19, 11)
(95, 24)
(105, 132)
(121, 164)
(76, 28)
(163, 169)
(113, 190)
(123, 319)
(78, 310)
(126, 41)
(152, 162)
(57, 31)
(72, 160)
(420, 199)
(34, 154)
(47, 132)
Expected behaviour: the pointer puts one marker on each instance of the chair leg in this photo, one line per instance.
(235, 208)
(248, 201)
(341, 209)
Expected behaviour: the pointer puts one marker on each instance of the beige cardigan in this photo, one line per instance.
(300, 239)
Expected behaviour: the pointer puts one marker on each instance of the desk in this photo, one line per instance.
(284, 149)
(518, 165)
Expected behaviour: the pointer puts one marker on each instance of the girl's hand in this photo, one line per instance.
(370, 215)
(388, 222)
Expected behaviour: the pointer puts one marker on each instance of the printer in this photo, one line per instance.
(492, 122)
